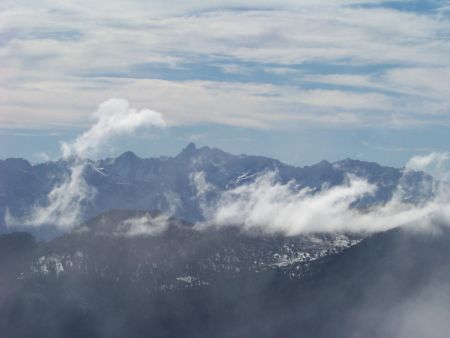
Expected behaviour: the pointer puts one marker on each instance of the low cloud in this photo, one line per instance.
(423, 162)
(268, 206)
(203, 188)
(65, 202)
(145, 225)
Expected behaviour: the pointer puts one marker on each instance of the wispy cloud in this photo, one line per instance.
(145, 225)
(424, 161)
(437, 163)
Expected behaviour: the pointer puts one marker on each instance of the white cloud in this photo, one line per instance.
(422, 162)
(278, 208)
(200, 183)
(145, 225)
(435, 163)
(113, 117)
(65, 202)
(269, 206)
(237, 104)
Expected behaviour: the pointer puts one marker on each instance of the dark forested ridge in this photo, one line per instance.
(98, 281)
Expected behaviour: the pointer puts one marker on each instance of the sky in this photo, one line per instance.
(300, 80)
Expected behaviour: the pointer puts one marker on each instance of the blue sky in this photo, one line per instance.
(297, 80)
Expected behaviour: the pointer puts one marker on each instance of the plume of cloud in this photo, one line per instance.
(203, 189)
(65, 202)
(436, 163)
(422, 162)
(113, 117)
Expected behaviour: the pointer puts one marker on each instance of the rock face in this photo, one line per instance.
(171, 280)
(166, 183)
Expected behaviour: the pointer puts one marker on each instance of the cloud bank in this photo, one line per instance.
(268, 206)
(259, 65)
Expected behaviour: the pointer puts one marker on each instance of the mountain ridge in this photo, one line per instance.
(167, 183)
(189, 150)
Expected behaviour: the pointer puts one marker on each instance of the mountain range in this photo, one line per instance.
(167, 184)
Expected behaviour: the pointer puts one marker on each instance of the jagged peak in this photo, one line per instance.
(322, 164)
(189, 150)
